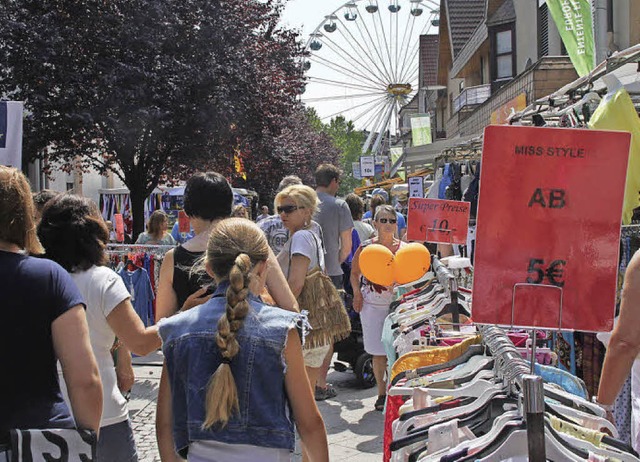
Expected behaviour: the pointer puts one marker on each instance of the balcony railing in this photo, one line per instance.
(471, 97)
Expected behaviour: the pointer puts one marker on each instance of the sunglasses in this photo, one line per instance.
(287, 209)
(384, 221)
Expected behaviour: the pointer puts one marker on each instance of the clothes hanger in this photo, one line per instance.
(575, 428)
(508, 419)
(583, 419)
(478, 422)
(477, 406)
(607, 452)
(473, 350)
(515, 445)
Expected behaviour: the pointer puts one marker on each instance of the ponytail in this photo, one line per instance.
(222, 393)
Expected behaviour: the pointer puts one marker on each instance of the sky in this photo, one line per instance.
(307, 14)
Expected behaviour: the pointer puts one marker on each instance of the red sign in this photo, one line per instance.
(548, 228)
(434, 220)
(183, 222)
(119, 227)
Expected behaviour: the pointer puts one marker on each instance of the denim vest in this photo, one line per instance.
(192, 356)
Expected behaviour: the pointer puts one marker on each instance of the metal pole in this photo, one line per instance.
(534, 414)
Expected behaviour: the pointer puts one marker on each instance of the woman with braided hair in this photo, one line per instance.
(235, 365)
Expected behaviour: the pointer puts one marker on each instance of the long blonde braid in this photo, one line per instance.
(243, 239)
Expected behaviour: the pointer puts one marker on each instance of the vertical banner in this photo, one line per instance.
(575, 24)
(367, 166)
(547, 241)
(355, 170)
(11, 133)
(416, 187)
(421, 129)
(119, 227)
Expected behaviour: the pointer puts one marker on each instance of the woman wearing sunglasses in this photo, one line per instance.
(303, 252)
(372, 300)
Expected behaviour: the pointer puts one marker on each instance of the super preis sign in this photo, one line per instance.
(549, 216)
(435, 220)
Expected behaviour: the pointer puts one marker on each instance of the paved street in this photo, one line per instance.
(354, 428)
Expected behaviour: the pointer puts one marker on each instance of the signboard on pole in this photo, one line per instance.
(355, 169)
(421, 129)
(547, 240)
(416, 187)
(367, 166)
(435, 220)
(11, 133)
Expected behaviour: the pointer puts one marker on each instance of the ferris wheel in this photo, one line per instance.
(362, 63)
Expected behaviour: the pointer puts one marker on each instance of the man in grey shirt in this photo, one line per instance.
(336, 223)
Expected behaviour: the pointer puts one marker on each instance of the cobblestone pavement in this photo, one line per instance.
(354, 428)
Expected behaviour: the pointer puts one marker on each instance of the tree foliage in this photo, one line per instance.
(151, 89)
(348, 141)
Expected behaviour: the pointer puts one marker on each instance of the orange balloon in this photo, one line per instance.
(376, 264)
(411, 262)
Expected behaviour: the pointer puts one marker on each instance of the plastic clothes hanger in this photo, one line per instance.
(607, 452)
(509, 418)
(461, 412)
(473, 350)
(421, 433)
(516, 443)
(583, 419)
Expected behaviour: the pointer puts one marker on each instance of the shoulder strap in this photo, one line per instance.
(315, 238)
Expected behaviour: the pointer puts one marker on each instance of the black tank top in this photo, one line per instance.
(184, 282)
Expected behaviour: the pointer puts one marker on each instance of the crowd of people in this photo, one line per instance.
(239, 379)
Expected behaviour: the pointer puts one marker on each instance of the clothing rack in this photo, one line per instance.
(448, 280)
(515, 371)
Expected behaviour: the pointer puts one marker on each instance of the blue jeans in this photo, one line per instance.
(116, 443)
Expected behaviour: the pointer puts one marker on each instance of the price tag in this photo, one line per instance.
(119, 224)
(183, 222)
(416, 187)
(367, 166)
(435, 220)
(548, 227)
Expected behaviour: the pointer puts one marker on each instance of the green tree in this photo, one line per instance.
(348, 140)
(149, 89)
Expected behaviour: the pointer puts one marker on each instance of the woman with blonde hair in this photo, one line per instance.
(303, 252)
(44, 319)
(235, 365)
(208, 200)
(157, 230)
(239, 211)
(372, 301)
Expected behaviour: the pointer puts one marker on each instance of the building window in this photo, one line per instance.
(543, 30)
(503, 55)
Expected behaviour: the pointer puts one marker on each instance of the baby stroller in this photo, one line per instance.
(351, 351)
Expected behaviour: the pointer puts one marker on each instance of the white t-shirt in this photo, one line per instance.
(303, 242)
(103, 290)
